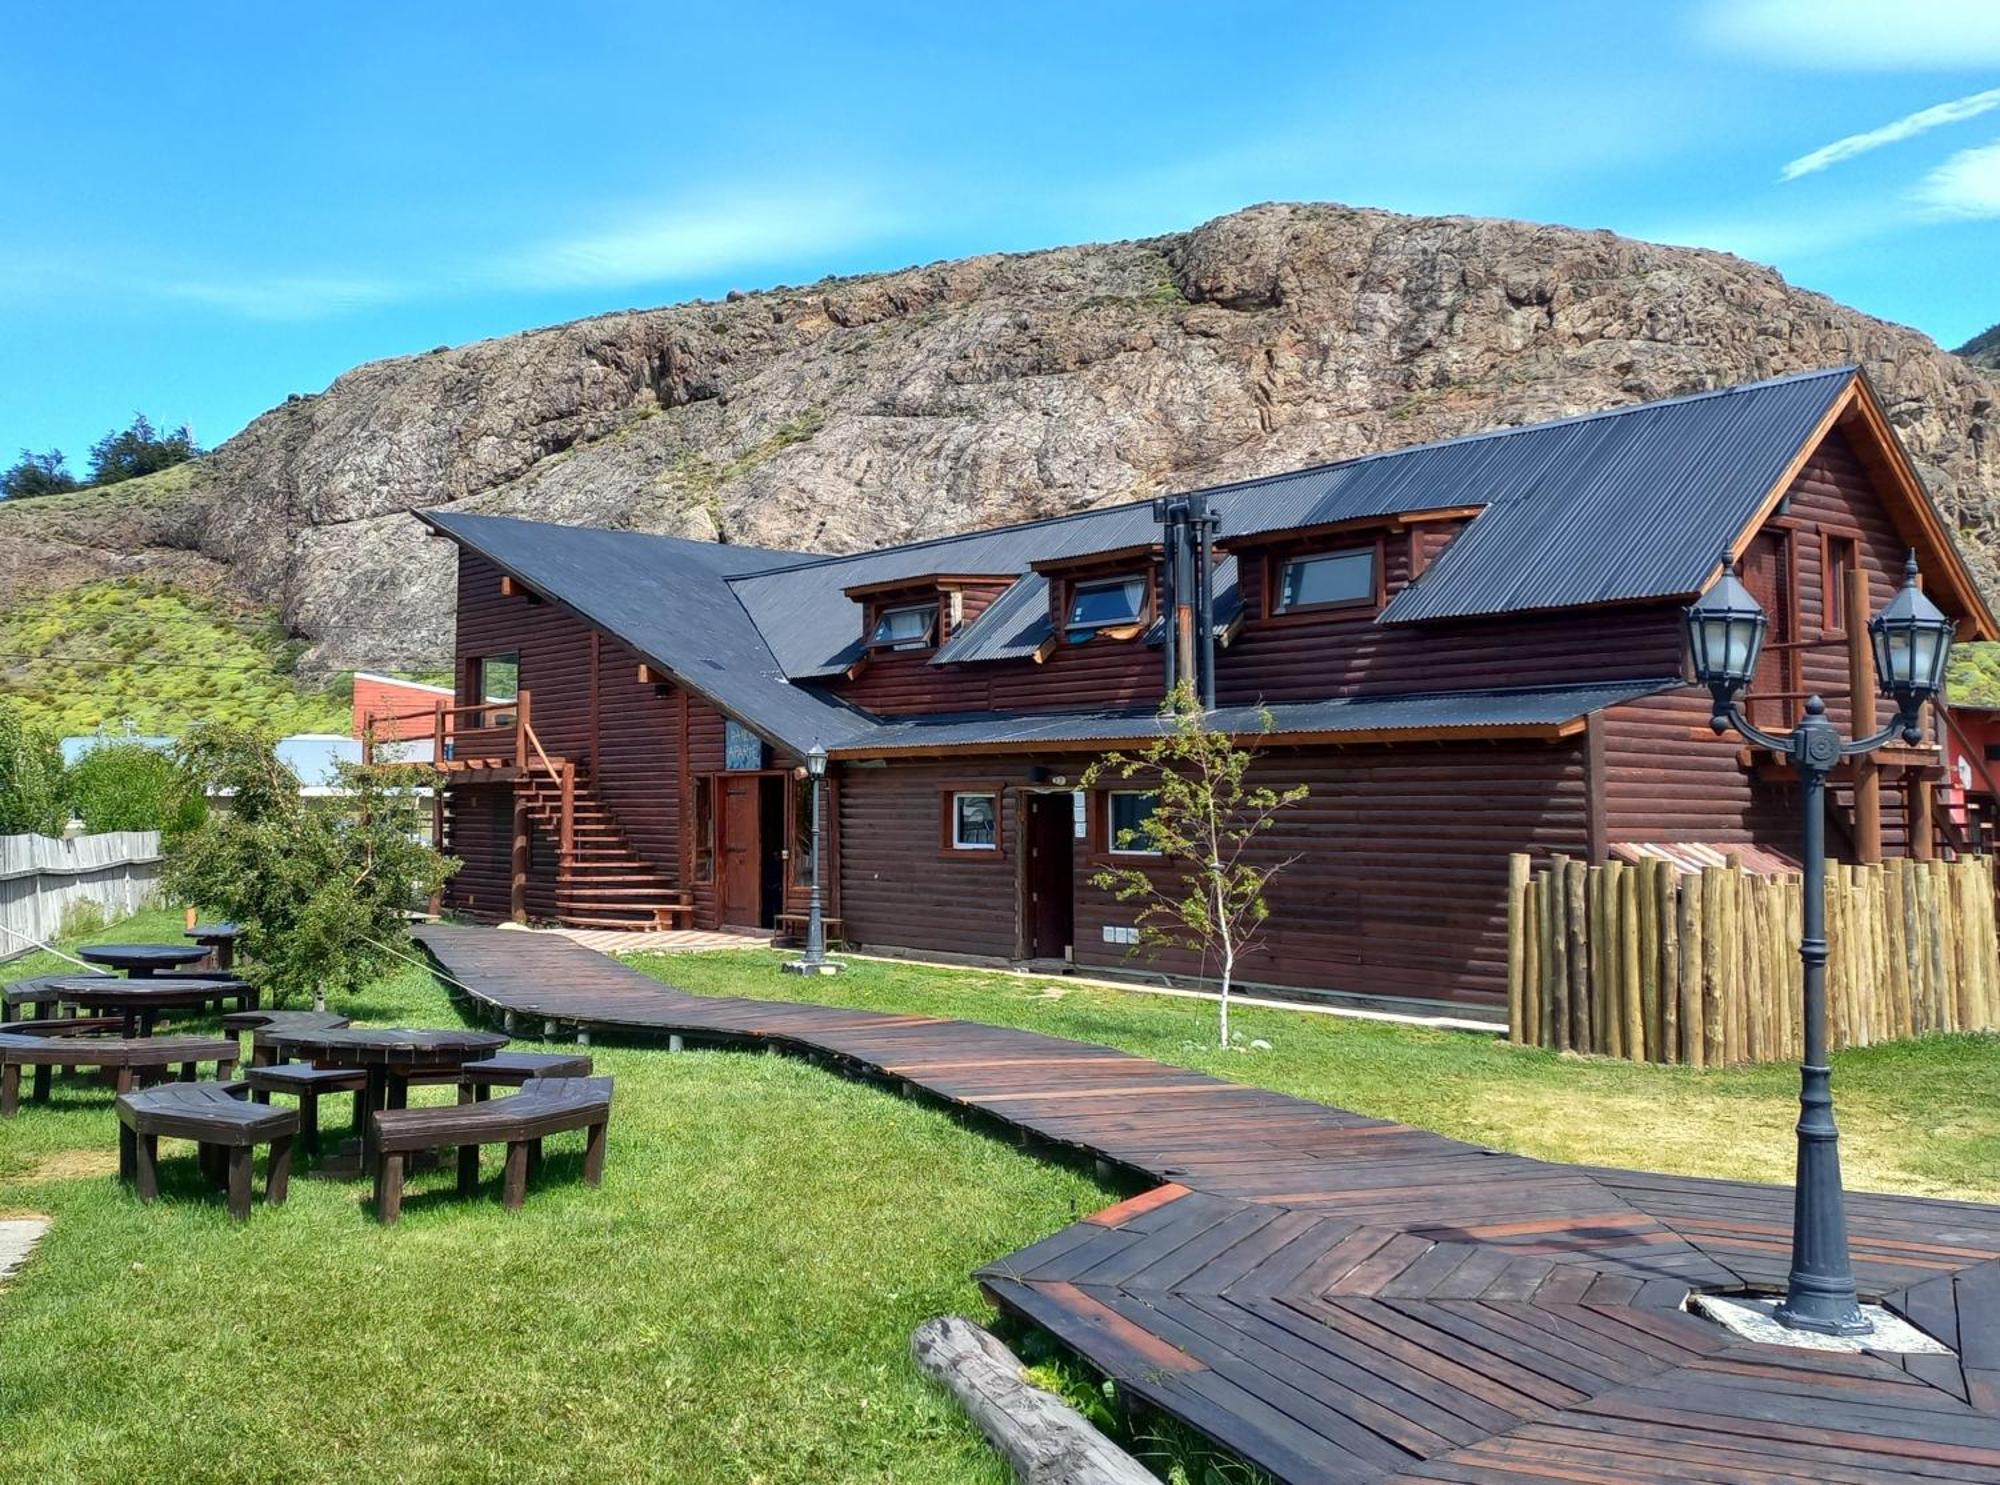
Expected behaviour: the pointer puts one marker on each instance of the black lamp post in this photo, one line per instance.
(1912, 642)
(814, 960)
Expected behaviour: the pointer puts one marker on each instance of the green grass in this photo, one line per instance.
(139, 650)
(734, 1304)
(1921, 1117)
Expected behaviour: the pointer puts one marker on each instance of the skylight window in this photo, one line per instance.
(1105, 605)
(910, 628)
(1328, 580)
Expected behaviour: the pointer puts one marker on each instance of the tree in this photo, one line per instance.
(319, 886)
(129, 786)
(32, 794)
(37, 474)
(138, 450)
(1207, 893)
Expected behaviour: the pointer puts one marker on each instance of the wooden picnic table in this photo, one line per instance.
(219, 939)
(138, 1003)
(139, 961)
(391, 1056)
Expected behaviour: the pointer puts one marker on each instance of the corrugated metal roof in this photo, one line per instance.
(665, 598)
(1628, 504)
(1016, 624)
(813, 627)
(1477, 713)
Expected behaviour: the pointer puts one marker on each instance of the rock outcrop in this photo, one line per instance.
(887, 408)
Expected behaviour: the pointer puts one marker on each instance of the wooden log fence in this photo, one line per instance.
(1653, 963)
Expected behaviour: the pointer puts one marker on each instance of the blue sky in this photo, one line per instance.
(215, 205)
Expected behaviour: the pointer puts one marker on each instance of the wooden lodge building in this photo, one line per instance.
(1465, 649)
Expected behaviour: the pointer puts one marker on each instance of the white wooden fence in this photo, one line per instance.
(43, 878)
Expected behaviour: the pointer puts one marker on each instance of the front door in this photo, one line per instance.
(1049, 875)
(742, 851)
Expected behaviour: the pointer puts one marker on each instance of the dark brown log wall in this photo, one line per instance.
(1399, 886)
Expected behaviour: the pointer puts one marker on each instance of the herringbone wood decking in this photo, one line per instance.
(1338, 1298)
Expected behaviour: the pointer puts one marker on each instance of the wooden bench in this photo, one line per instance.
(543, 1107)
(39, 996)
(476, 1080)
(263, 1024)
(308, 1084)
(131, 1060)
(791, 929)
(226, 1129)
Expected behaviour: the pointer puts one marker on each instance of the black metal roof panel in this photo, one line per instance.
(1476, 713)
(812, 626)
(667, 599)
(1628, 504)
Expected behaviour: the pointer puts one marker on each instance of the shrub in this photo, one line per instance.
(32, 795)
(128, 786)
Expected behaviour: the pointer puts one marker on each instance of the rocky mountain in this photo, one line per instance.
(1983, 350)
(861, 411)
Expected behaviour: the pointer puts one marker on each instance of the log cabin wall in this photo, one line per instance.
(1399, 887)
(1667, 777)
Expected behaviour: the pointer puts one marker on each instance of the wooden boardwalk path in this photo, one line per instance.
(1338, 1298)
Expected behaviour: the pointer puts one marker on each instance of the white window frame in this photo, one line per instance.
(1111, 845)
(1073, 625)
(926, 641)
(958, 841)
(1371, 552)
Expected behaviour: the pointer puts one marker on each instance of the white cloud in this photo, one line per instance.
(1859, 35)
(283, 296)
(1966, 185)
(1907, 127)
(660, 244)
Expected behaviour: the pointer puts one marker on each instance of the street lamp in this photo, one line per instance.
(1912, 641)
(814, 960)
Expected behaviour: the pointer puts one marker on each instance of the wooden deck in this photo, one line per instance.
(1338, 1298)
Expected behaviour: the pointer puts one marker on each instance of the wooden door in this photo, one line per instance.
(1049, 875)
(741, 876)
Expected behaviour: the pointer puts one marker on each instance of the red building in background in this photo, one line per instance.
(394, 710)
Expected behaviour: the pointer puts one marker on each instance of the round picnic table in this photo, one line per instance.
(138, 1003)
(140, 960)
(391, 1057)
(219, 939)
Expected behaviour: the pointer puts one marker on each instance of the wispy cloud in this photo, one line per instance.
(283, 296)
(657, 245)
(1907, 127)
(1858, 35)
(1966, 185)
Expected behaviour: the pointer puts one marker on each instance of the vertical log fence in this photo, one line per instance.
(1653, 963)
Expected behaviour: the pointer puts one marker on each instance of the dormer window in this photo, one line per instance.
(909, 627)
(1345, 579)
(1107, 604)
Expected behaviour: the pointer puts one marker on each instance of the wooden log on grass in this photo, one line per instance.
(1577, 934)
(1667, 885)
(1631, 967)
(1045, 1440)
(1517, 948)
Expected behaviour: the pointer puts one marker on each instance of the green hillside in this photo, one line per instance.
(140, 651)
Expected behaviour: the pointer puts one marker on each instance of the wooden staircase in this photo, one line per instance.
(601, 882)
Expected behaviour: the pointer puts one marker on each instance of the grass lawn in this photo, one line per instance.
(1921, 1117)
(733, 1305)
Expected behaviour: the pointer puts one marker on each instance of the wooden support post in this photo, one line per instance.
(1576, 931)
(1922, 811)
(1631, 968)
(568, 810)
(1862, 723)
(517, 904)
(1517, 948)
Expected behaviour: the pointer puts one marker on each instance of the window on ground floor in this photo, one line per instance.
(975, 820)
(1128, 814)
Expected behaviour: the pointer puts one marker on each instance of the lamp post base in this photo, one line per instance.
(807, 967)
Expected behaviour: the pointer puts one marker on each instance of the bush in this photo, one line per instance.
(128, 786)
(137, 450)
(37, 474)
(32, 787)
(319, 886)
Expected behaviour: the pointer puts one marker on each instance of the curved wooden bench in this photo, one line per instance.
(308, 1084)
(225, 1127)
(131, 1060)
(39, 995)
(543, 1107)
(477, 1080)
(262, 1025)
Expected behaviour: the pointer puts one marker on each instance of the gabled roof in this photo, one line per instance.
(665, 599)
